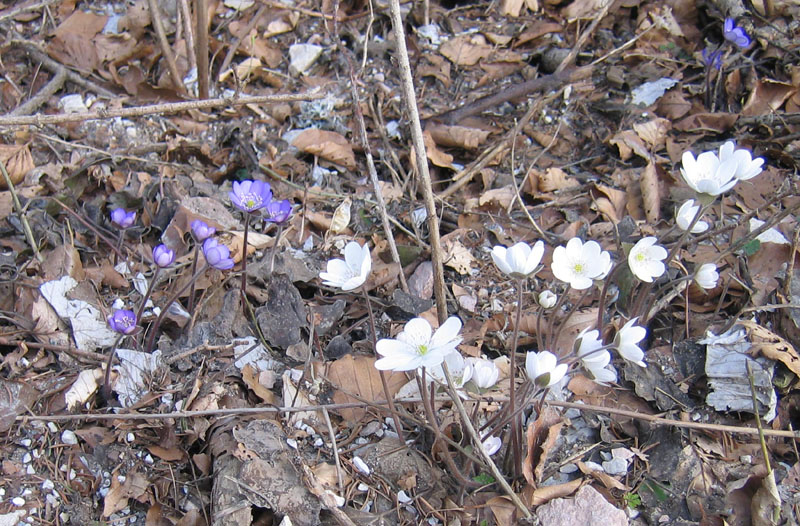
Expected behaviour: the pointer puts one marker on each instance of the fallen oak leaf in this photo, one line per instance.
(327, 144)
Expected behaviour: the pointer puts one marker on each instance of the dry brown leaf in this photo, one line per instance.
(466, 50)
(328, 145)
(434, 154)
(537, 29)
(497, 39)
(503, 510)
(135, 486)
(435, 66)
(583, 9)
(538, 496)
(613, 205)
(73, 42)
(251, 379)
(651, 198)
(767, 96)
(457, 136)
(169, 454)
(15, 398)
(553, 179)
(541, 437)
(457, 256)
(18, 161)
(357, 375)
(502, 197)
(673, 105)
(707, 122)
(629, 144)
(767, 343)
(603, 477)
(653, 132)
(511, 7)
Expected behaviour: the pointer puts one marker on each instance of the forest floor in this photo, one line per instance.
(542, 120)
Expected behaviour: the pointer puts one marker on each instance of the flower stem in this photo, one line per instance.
(151, 338)
(516, 437)
(106, 391)
(194, 268)
(384, 383)
(274, 247)
(150, 287)
(244, 263)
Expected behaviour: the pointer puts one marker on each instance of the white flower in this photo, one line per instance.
(543, 368)
(484, 372)
(706, 276)
(686, 214)
(645, 259)
(547, 299)
(746, 166)
(460, 369)
(579, 263)
(707, 174)
(519, 261)
(627, 341)
(415, 347)
(350, 273)
(588, 348)
(604, 375)
(491, 445)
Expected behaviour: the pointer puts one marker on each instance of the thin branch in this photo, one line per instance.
(26, 227)
(153, 109)
(166, 50)
(32, 104)
(437, 255)
(201, 51)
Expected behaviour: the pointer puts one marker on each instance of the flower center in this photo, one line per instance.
(251, 200)
(578, 268)
(126, 321)
(422, 349)
(640, 257)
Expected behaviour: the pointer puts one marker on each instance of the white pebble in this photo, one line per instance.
(26, 458)
(52, 427)
(319, 442)
(25, 442)
(69, 437)
(18, 501)
(130, 437)
(48, 485)
(29, 470)
(362, 487)
(292, 443)
(361, 466)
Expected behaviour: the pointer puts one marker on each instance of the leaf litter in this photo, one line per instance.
(599, 159)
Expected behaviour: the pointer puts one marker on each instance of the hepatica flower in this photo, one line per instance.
(686, 214)
(735, 35)
(123, 321)
(278, 211)
(163, 256)
(123, 218)
(217, 256)
(249, 196)
(201, 230)
(627, 342)
(484, 372)
(418, 346)
(707, 276)
(352, 271)
(547, 299)
(519, 261)
(707, 174)
(491, 445)
(543, 368)
(712, 59)
(589, 349)
(646, 259)
(579, 263)
(746, 166)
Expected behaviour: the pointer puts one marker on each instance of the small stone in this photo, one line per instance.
(302, 57)
(18, 501)
(587, 507)
(362, 466)
(25, 442)
(616, 466)
(48, 485)
(29, 470)
(69, 437)
(26, 458)
(568, 468)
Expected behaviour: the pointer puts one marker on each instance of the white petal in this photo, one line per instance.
(416, 332)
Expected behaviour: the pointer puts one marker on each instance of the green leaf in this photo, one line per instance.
(632, 500)
(751, 247)
(484, 478)
(656, 489)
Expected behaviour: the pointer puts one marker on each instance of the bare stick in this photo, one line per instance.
(437, 256)
(11, 13)
(187, 24)
(26, 227)
(155, 19)
(201, 14)
(238, 41)
(32, 104)
(163, 109)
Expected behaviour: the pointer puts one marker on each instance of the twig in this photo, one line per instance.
(26, 227)
(32, 104)
(187, 24)
(11, 13)
(437, 256)
(238, 41)
(570, 58)
(201, 16)
(155, 19)
(163, 109)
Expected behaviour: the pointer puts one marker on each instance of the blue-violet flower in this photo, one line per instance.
(163, 256)
(123, 321)
(123, 218)
(278, 211)
(735, 35)
(217, 256)
(249, 196)
(201, 230)
(712, 59)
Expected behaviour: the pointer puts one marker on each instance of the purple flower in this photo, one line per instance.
(123, 321)
(712, 58)
(122, 218)
(218, 256)
(163, 256)
(201, 230)
(249, 196)
(278, 211)
(735, 35)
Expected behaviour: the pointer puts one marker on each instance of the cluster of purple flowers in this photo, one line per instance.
(252, 196)
(734, 34)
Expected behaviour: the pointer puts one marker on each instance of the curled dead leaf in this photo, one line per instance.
(651, 196)
(328, 145)
(18, 161)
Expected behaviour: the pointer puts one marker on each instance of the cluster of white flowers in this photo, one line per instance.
(711, 174)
